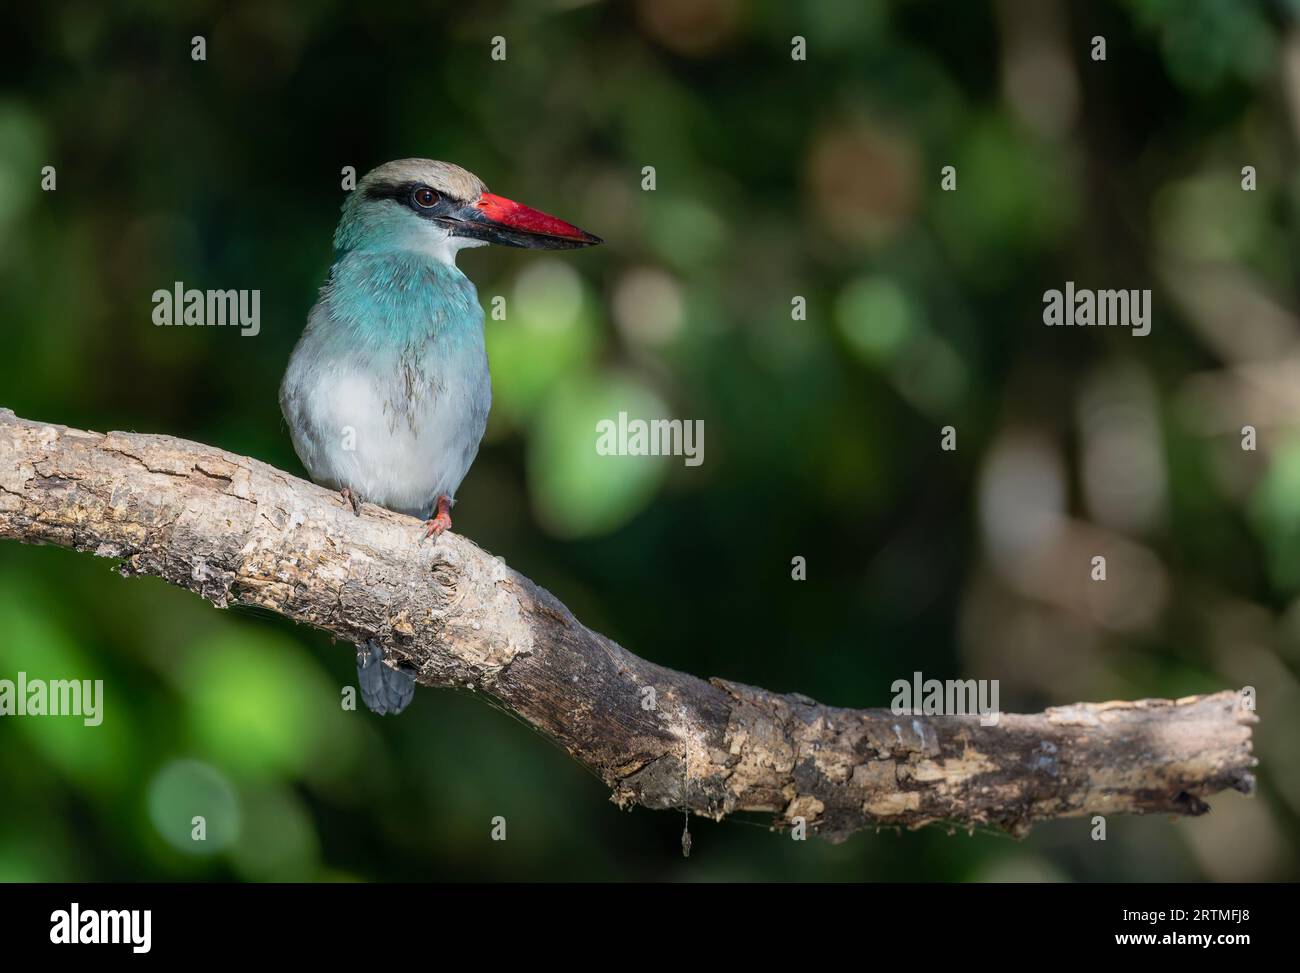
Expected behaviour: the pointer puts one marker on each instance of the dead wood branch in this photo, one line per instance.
(237, 531)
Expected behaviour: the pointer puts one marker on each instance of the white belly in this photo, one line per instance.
(394, 438)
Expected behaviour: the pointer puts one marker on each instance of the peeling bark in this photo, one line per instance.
(237, 531)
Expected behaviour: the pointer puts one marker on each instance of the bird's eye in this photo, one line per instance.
(425, 197)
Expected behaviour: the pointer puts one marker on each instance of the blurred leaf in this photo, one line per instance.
(278, 841)
(1275, 511)
(548, 333)
(578, 492)
(255, 702)
(185, 789)
(33, 641)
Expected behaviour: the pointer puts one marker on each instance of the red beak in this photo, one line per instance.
(499, 220)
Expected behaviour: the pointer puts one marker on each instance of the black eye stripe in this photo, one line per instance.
(404, 193)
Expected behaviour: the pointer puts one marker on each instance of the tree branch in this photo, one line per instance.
(237, 531)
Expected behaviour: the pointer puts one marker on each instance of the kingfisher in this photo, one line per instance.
(387, 391)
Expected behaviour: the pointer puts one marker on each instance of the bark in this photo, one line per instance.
(237, 531)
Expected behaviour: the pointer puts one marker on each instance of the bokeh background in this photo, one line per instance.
(775, 179)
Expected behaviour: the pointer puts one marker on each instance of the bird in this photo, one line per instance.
(387, 392)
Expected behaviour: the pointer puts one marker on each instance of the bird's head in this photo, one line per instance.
(437, 207)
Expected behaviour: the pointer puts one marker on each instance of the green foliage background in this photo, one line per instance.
(775, 178)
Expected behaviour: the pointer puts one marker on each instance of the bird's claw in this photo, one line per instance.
(435, 527)
(351, 499)
(440, 522)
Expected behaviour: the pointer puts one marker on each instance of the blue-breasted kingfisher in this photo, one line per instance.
(387, 391)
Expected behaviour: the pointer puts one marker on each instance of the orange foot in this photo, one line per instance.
(441, 520)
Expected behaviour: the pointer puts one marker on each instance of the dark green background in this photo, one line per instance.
(775, 178)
